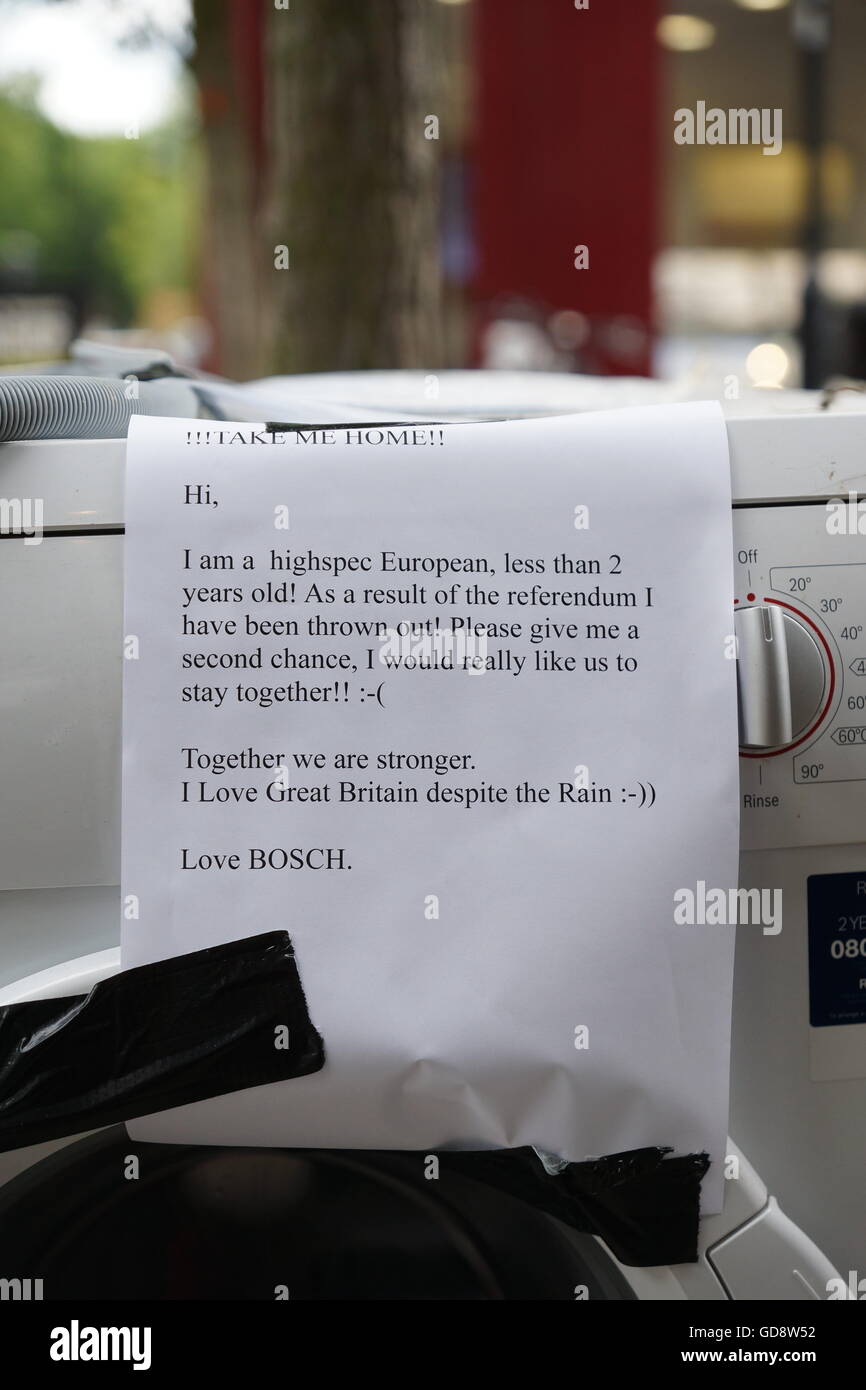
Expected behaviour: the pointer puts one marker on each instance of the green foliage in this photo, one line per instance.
(107, 221)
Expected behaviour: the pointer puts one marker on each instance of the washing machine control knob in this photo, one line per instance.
(781, 676)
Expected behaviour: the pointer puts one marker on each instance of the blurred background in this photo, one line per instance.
(314, 185)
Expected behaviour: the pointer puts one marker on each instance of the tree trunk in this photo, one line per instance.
(233, 251)
(352, 185)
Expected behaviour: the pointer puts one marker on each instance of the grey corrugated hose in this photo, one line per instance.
(65, 407)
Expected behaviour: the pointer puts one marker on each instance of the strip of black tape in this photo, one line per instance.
(155, 1037)
(644, 1204)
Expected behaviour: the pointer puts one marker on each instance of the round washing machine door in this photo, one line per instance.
(213, 1223)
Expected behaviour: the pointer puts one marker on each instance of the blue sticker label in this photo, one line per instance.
(837, 949)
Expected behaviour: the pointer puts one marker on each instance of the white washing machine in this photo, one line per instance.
(69, 1212)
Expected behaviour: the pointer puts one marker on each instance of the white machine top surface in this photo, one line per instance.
(784, 447)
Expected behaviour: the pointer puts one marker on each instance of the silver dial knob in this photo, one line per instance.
(781, 676)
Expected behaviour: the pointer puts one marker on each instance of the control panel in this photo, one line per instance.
(800, 622)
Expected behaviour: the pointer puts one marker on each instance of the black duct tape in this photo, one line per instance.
(644, 1204)
(155, 1037)
(204, 1024)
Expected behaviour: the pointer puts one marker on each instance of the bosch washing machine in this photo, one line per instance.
(218, 1223)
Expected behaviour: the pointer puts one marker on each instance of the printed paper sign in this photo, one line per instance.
(455, 706)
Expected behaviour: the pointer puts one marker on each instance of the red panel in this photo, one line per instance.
(564, 153)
